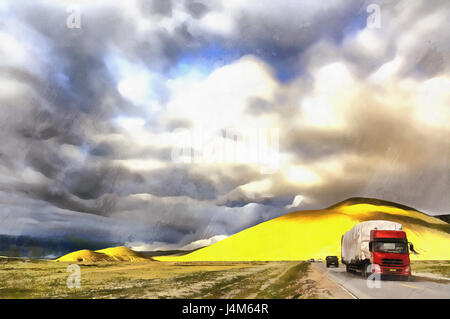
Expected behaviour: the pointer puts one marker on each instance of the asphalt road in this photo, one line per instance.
(416, 288)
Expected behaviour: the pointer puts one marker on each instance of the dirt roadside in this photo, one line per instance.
(326, 288)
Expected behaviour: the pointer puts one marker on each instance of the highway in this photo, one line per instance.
(416, 288)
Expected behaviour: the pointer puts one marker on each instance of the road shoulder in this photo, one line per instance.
(326, 287)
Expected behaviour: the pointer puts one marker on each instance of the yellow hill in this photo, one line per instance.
(122, 254)
(317, 233)
(104, 255)
(85, 256)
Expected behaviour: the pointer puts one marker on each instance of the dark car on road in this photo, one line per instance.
(332, 260)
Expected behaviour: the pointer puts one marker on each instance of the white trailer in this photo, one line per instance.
(355, 242)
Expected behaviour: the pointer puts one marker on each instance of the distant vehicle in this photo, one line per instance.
(319, 260)
(332, 260)
(377, 246)
(311, 260)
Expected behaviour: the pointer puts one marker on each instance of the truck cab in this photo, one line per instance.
(389, 251)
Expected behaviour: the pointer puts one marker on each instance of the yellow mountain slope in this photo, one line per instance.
(104, 255)
(85, 256)
(317, 233)
(122, 254)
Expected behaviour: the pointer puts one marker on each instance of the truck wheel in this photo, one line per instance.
(328, 266)
(364, 270)
(347, 268)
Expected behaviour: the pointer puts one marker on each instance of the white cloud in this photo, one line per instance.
(204, 242)
(11, 51)
(220, 100)
(301, 176)
(220, 23)
(388, 70)
(164, 246)
(298, 199)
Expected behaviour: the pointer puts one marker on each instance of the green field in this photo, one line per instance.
(436, 267)
(21, 278)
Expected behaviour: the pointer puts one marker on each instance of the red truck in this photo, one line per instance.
(376, 246)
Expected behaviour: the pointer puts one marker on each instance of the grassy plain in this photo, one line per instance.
(151, 279)
(435, 267)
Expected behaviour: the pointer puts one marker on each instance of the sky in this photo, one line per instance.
(173, 124)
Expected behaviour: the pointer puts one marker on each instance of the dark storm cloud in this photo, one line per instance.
(76, 82)
(289, 32)
(431, 63)
(188, 219)
(91, 182)
(57, 198)
(259, 106)
(162, 7)
(197, 182)
(102, 149)
(179, 182)
(117, 150)
(49, 164)
(44, 125)
(314, 144)
(197, 8)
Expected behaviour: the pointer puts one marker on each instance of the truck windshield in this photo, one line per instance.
(391, 247)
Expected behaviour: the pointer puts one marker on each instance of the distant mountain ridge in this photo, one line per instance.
(445, 218)
(39, 247)
(371, 201)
